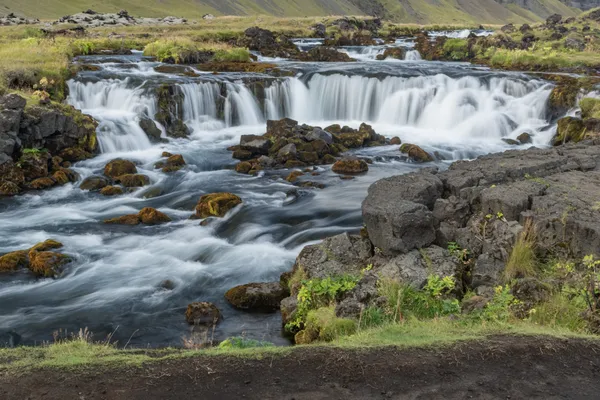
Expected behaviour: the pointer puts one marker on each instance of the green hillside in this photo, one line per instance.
(409, 11)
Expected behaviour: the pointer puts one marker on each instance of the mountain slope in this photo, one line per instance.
(415, 11)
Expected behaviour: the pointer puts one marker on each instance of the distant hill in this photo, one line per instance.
(413, 11)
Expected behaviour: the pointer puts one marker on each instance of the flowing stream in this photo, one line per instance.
(115, 283)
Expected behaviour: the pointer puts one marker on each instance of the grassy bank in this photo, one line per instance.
(81, 352)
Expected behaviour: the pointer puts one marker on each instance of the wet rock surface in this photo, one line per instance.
(286, 144)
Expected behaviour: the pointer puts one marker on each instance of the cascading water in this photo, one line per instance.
(134, 282)
(118, 108)
(412, 55)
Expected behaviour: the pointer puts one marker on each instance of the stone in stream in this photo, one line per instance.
(216, 204)
(202, 313)
(119, 167)
(415, 153)
(133, 180)
(262, 297)
(94, 183)
(147, 216)
(350, 166)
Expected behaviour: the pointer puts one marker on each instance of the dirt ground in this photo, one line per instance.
(498, 368)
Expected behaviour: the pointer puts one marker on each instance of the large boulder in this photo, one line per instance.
(216, 204)
(420, 187)
(264, 297)
(335, 256)
(415, 153)
(398, 226)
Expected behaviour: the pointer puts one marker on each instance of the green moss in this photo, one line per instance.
(232, 55)
(456, 49)
(569, 129)
(323, 325)
(590, 107)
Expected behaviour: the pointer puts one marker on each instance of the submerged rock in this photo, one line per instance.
(133, 180)
(14, 261)
(202, 313)
(216, 204)
(147, 216)
(111, 191)
(264, 297)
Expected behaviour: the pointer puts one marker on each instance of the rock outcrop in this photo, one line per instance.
(289, 145)
(93, 19)
(38, 144)
(262, 297)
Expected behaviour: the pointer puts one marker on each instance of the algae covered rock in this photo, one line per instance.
(46, 263)
(42, 183)
(216, 204)
(94, 183)
(570, 129)
(119, 167)
(202, 313)
(14, 260)
(415, 153)
(264, 297)
(350, 166)
(130, 219)
(111, 191)
(47, 245)
(8, 188)
(151, 216)
(133, 180)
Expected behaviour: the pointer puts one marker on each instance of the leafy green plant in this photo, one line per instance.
(499, 308)
(316, 293)
(592, 279)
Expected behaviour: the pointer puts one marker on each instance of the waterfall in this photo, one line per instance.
(439, 107)
(412, 55)
(118, 109)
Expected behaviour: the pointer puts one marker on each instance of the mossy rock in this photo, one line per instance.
(151, 216)
(119, 167)
(47, 245)
(293, 176)
(13, 261)
(60, 177)
(216, 204)
(74, 154)
(569, 129)
(396, 141)
(563, 96)
(202, 313)
(8, 188)
(42, 183)
(243, 167)
(262, 297)
(133, 180)
(94, 183)
(171, 168)
(416, 153)
(111, 191)
(590, 108)
(350, 166)
(306, 337)
(35, 164)
(328, 159)
(46, 263)
(176, 160)
(131, 219)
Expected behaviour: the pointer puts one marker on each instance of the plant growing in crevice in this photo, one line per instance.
(522, 262)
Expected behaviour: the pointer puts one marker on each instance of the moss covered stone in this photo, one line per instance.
(590, 108)
(60, 177)
(202, 313)
(133, 180)
(42, 183)
(93, 183)
(119, 167)
(350, 166)
(74, 154)
(569, 129)
(8, 188)
(293, 176)
(131, 219)
(216, 204)
(151, 216)
(111, 191)
(415, 153)
(47, 245)
(13, 261)
(46, 263)
(263, 297)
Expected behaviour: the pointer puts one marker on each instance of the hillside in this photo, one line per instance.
(408, 11)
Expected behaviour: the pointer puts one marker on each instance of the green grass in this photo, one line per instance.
(522, 261)
(590, 107)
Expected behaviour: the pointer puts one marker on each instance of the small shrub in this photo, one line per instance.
(316, 293)
(456, 49)
(499, 308)
(562, 310)
(323, 324)
(233, 55)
